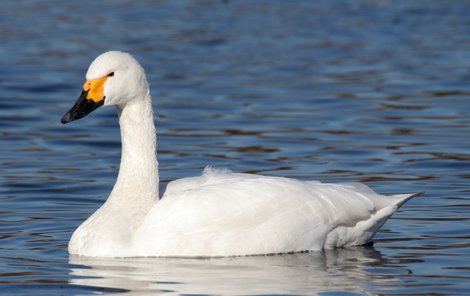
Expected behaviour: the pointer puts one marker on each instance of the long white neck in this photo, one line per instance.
(137, 182)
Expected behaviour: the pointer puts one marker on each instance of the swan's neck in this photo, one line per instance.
(137, 182)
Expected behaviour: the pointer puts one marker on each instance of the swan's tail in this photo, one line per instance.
(363, 232)
(381, 201)
(400, 199)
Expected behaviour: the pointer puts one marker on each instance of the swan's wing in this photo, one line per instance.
(209, 176)
(222, 213)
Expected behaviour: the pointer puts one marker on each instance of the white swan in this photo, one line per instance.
(219, 213)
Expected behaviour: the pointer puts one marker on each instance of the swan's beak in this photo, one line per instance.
(91, 98)
(82, 108)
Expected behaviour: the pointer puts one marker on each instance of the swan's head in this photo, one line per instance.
(113, 78)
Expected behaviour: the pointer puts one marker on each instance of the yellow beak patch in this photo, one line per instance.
(95, 89)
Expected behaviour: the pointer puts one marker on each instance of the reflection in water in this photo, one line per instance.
(334, 270)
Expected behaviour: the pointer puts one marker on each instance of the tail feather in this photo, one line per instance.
(400, 199)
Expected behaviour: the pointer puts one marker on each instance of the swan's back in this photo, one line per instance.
(224, 214)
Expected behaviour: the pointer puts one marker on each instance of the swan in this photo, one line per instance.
(219, 213)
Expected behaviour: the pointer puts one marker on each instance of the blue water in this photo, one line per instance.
(369, 91)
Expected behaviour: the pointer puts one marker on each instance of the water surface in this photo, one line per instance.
(369, 91)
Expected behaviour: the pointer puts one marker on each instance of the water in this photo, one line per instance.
(369, 91)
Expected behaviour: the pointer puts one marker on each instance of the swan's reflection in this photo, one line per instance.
(335, 270)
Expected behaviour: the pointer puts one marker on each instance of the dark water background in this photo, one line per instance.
(369, 91)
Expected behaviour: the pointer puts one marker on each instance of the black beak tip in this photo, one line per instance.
(66, 118)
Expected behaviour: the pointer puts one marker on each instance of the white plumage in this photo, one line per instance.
(219, 213)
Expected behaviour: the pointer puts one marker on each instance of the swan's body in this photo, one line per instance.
(219, 213)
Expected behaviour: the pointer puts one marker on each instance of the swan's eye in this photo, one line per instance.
(111, 74)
